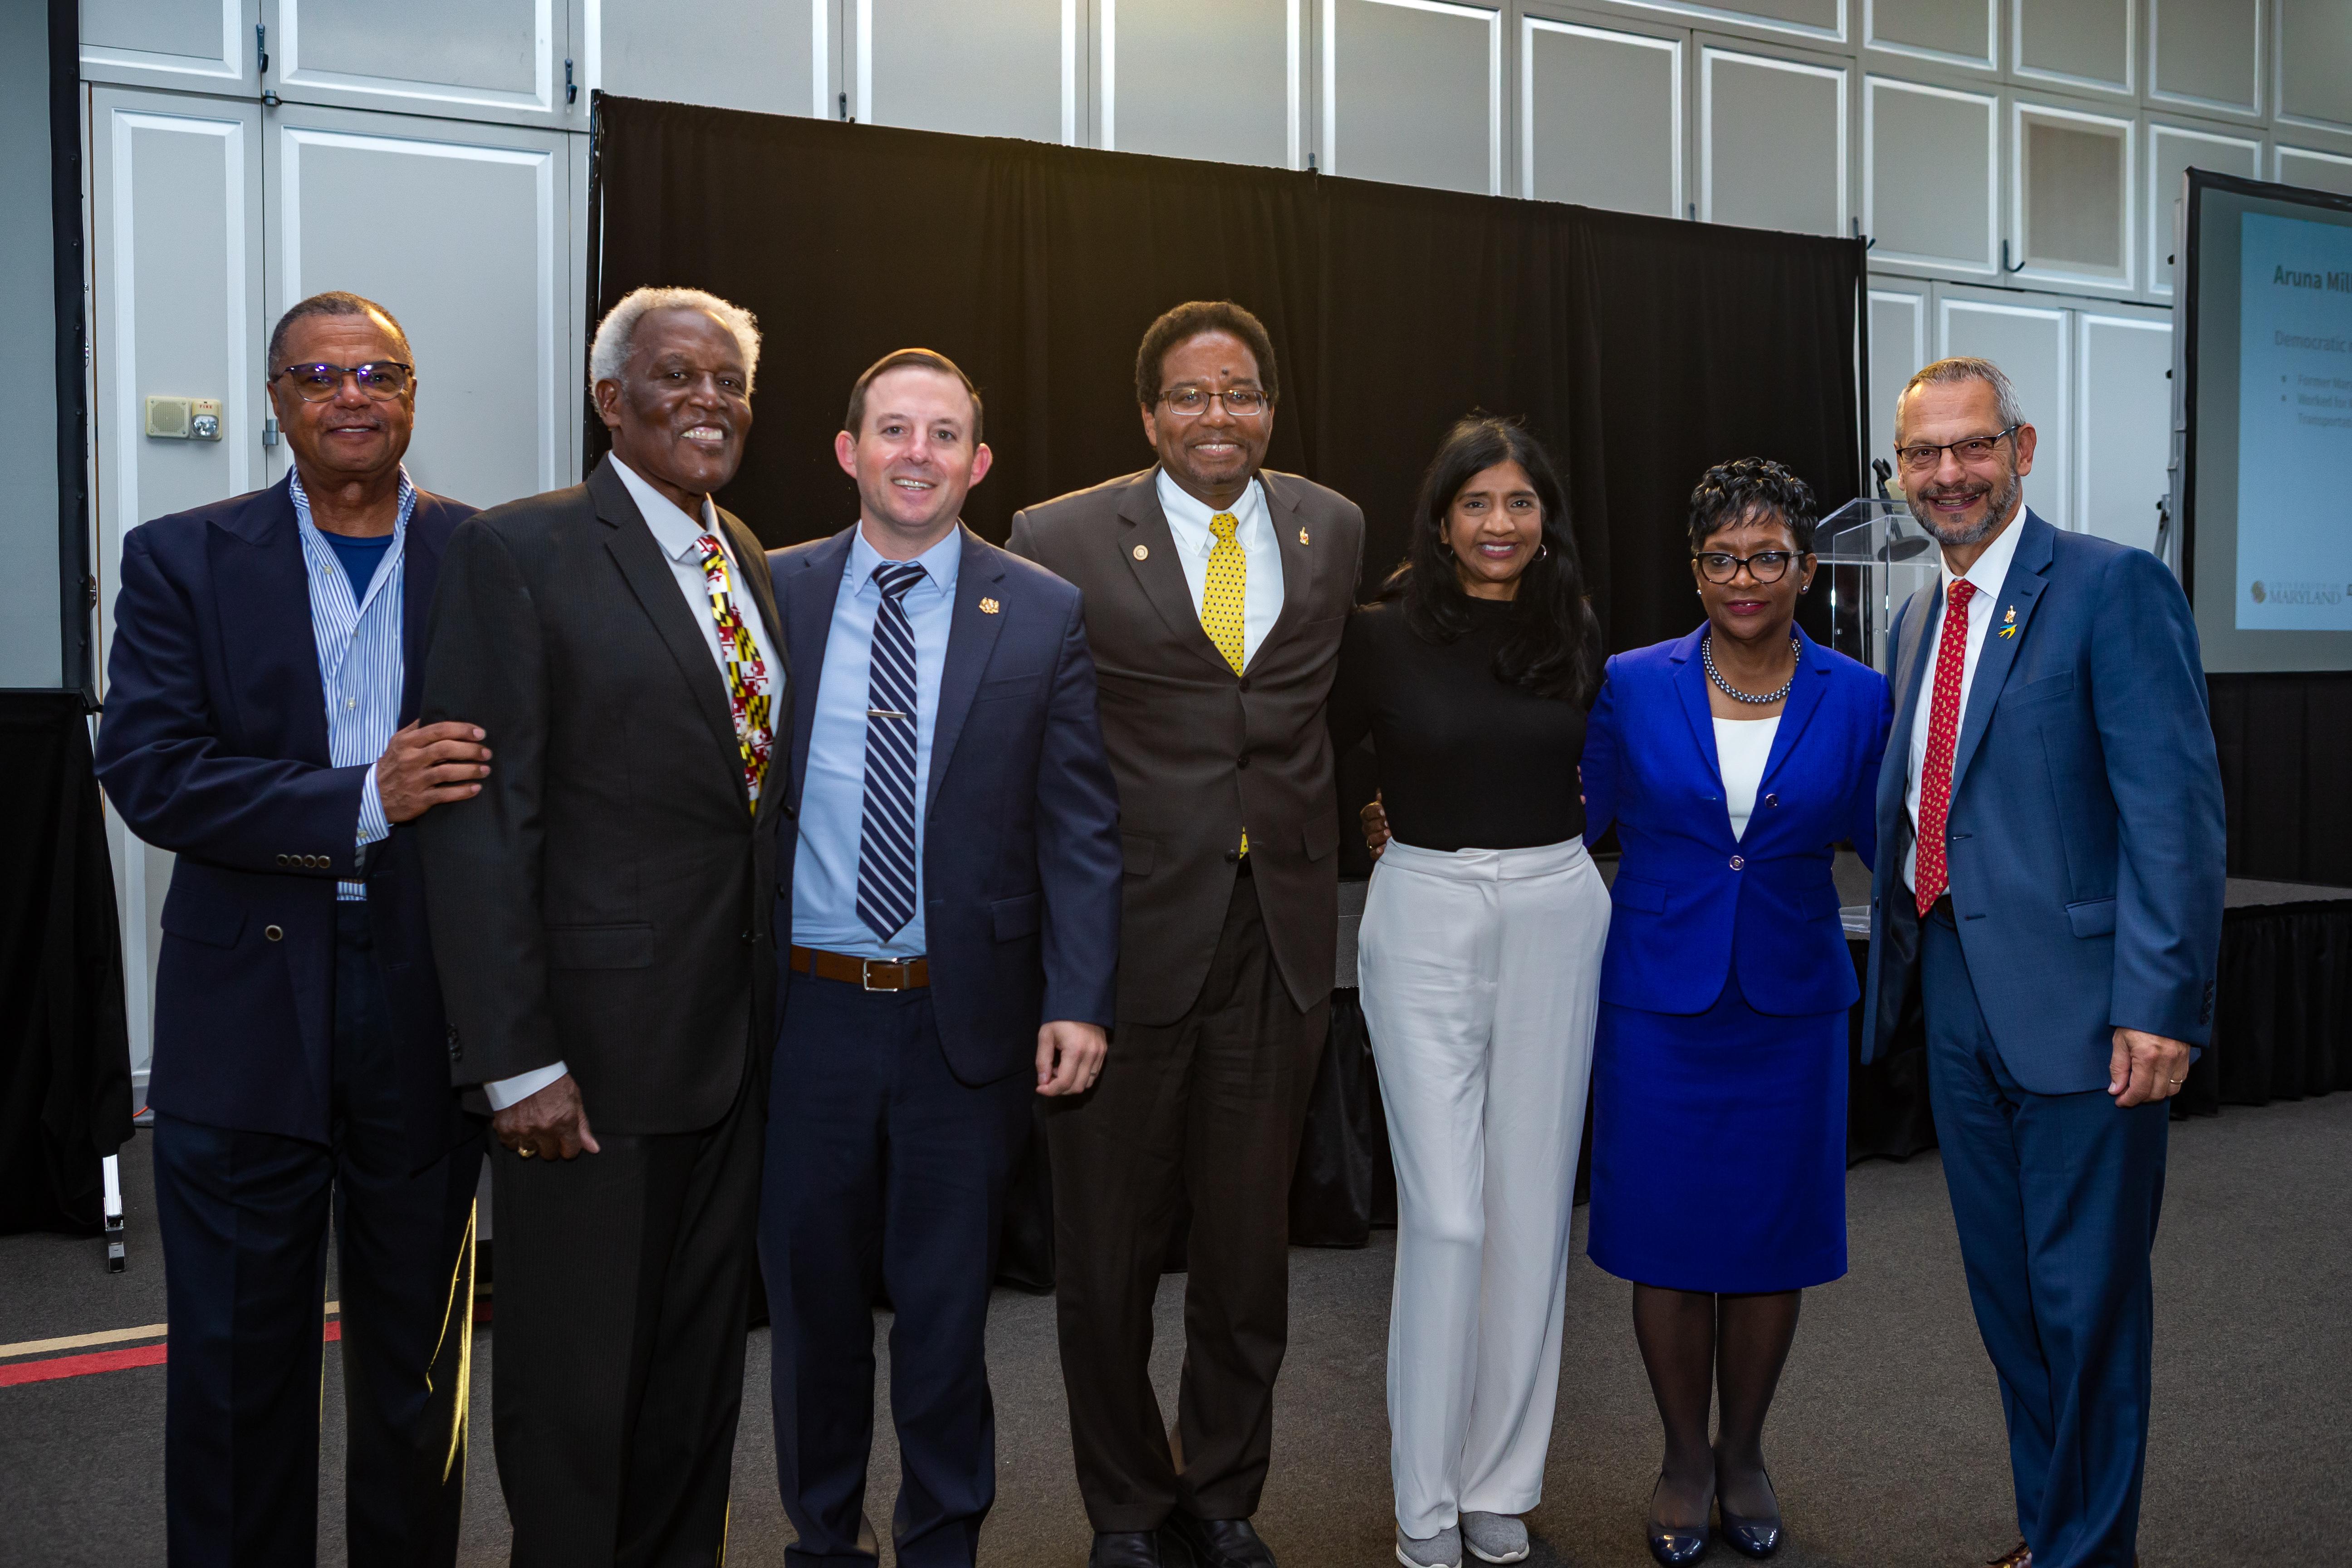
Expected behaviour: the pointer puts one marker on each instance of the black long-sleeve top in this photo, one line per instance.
(1466, 761)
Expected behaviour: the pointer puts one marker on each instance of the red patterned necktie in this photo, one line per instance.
(747, 689)
(1929, 877)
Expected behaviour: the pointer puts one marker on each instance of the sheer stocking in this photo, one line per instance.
(1751, 1345)
(1675, 1329)
(1695, 1343)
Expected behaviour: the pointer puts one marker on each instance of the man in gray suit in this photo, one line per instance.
(603, 912)
(1215, 590)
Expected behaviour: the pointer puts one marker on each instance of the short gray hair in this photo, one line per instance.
(617, 332)
(1963, 367)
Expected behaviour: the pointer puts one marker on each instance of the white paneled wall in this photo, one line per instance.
(1412, 92)
(1224, 79)
(1600, 116)
(2013, 163)
(1772, 141)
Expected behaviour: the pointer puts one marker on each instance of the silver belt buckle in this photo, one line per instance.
(865, 973)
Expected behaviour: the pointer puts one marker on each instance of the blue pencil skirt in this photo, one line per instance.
(1719, 1147)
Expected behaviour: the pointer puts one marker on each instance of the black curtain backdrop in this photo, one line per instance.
(1640, 350)
(2286, 774)
(65, 1049)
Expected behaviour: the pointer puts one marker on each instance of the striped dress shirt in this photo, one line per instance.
(360, 664)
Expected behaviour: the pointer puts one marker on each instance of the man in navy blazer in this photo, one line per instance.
(260, 723)
(2048, 894)
(953, 901)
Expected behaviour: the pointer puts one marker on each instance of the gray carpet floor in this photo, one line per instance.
(1886, 1442)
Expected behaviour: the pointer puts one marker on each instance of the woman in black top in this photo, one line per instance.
(1480, 957)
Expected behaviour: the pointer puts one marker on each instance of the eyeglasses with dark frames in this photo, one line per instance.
(383, 379)
(1241, 402)
(1765, 566)
(1922, 456)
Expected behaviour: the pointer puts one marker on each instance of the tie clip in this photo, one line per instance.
(884, 713)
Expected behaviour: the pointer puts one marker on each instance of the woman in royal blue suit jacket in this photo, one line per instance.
(1730, 761)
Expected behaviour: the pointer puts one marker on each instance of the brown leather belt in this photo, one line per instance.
(873, 974)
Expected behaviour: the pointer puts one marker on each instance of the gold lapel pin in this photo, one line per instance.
(989, 607)
(1142, 552)
(1302, 536)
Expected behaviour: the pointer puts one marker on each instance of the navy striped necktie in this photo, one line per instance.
(886, 852)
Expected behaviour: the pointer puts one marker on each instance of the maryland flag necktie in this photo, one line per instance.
(1222, 597)
(749, 689)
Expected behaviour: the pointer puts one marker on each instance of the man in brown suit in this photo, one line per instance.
(1214, 594)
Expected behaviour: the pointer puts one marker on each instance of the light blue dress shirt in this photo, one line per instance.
(833, 789)
(361, 662)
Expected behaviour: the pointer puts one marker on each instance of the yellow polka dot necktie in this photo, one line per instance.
(1221, 599)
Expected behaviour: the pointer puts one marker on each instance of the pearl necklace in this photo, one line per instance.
(1707, 656)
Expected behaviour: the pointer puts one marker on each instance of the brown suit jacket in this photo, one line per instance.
(1200, 753)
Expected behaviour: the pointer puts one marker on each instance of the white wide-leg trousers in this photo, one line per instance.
(1480, 975)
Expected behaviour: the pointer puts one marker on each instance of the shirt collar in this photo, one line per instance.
(302, 498)
(941, 562)
(673, 530)
(1990, 569)
(1189, 515)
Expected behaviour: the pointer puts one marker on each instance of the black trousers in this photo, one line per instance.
(1210, 1106)
(623, 1290)
(884, 1173)
(244, 1219)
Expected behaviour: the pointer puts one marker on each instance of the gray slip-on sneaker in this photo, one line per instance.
(1494, 1537)
(1443, 1550)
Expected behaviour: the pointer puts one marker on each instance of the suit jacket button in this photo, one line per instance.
(1241, 760)
(1244, 683)
(1771, 800)
(1233, 856)
(275, 933)
(286, 859)
(1738, 861)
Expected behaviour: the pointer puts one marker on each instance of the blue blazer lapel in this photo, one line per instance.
(804, 601)
(1804, 700)
(2019, 593)
(262, 585)
(1690, 684)
(971, 637)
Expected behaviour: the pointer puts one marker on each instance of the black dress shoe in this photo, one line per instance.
(1674, 1545)
(1137, 1549)
(1758, 1537)
(1220, 1542)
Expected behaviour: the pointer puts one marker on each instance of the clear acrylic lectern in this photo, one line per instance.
(1874, 555)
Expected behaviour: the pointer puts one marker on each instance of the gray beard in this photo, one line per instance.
(1998, 501)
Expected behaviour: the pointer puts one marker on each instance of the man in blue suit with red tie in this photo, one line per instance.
(953, 901)
(2048, 894)
(260, 723)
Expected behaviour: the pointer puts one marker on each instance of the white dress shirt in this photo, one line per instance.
(1187, 520)
(1990, 571)
(1742, 747)
(676, 533)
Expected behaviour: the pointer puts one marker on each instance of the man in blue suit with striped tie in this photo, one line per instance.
(261, 725)
(2048, 894)
(953, 901)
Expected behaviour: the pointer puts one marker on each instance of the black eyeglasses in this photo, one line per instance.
(383, 379)
(1766, 566)
(1241, 402)
(1922, 456)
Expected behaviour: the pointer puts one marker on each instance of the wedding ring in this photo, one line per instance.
(525, 1152)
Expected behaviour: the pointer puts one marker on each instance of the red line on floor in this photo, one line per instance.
(80, 1365)
(56, 1367)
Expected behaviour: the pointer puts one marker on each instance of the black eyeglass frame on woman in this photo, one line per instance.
(372, 377)
(1924, 457)
(1765, 566)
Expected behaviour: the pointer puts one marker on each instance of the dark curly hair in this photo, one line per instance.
(1551, 646)
(1729, 494)
(1188, 321)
